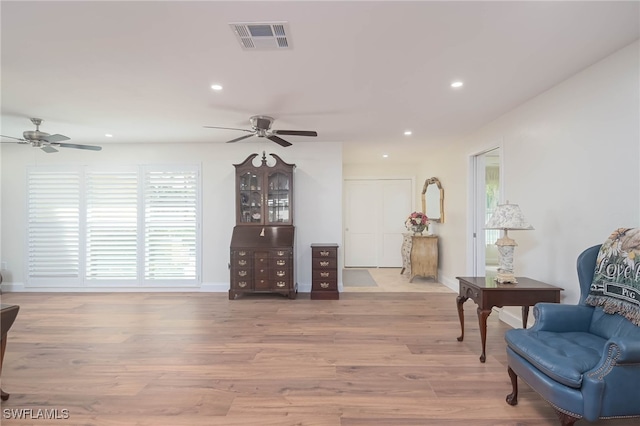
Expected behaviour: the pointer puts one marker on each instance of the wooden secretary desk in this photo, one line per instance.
(262, 244)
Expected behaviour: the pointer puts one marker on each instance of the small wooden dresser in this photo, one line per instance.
(324, 271)
(420, 256)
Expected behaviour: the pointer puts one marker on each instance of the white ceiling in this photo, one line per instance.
(358, 72)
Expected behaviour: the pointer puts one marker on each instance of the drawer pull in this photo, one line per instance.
(281, 284)
(242, 262)
(281, 262)
(281, 273)
(324, 263)
(242, 284)
(324, 274)
(324, 253)
(242, 253)
(281, 252)
(324, 285)
(242, 273)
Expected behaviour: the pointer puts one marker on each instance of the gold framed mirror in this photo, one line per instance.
(433, 200)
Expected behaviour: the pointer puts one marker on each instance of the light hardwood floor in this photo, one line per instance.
(368, 359)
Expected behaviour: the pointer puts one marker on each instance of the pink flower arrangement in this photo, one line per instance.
(416, 219)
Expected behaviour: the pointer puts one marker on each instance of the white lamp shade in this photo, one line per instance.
(508, 216)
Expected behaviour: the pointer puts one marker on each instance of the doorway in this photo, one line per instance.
(487, 172)
(375, 211)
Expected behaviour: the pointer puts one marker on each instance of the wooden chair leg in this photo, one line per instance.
(512, 398)
(566, 419)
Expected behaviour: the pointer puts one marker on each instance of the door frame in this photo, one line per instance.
(476, 211)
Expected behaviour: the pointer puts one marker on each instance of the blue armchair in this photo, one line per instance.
(583, 361)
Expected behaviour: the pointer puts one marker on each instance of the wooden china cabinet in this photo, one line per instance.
(262, 244)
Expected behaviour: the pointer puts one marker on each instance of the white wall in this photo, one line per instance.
(571, 163)
(1, 264)
(318, 196)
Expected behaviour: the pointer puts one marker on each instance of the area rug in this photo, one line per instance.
(357, 278)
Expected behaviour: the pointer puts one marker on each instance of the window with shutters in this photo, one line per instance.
(53, 234)
(170, 224)
(132, 226)
(112, 226)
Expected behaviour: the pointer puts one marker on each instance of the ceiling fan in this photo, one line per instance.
(261, 127)
(46, 142)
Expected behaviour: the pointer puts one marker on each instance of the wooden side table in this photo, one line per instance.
(487, 293)
(8, 314)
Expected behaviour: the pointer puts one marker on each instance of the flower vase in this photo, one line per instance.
(417, 229)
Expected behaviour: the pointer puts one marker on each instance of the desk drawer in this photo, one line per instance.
(326, 253)
(324, 263)
(321, 274)
(324, 285)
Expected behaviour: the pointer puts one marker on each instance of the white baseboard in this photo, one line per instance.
(511, 318)
(218, 287)
(204, 288)
(452, 283)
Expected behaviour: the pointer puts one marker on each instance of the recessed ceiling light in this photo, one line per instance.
(216, 87)
(385, 155)
(456, 84)
(108, 135)
(408, 132)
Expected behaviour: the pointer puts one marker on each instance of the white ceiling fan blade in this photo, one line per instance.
(55, 138)
(76, 146)
(228, 128)
(11, 137)
(48, 149)
(240, 138)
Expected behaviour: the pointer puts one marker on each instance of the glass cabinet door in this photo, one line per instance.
(278, 197)
(250, 197)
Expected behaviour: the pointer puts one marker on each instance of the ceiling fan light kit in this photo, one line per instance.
(46, 142)
(261, 127)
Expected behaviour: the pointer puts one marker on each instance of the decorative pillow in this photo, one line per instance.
(616, 281)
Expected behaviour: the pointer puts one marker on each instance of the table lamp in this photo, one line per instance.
(507, 217)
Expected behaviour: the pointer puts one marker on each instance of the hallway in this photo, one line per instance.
(389, 280)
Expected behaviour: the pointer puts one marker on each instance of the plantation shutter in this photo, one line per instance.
(112, 225)
(113, 228)
(170, 224)
(53, 227)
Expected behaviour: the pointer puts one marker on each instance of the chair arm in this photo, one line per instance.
(561, 318)
(628, 350)
(616, 372)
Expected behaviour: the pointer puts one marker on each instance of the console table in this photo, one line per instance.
(8, 314)
(420, 256)
(487, 293)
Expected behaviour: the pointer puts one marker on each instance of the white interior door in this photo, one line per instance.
(375, 211)
(360, 236)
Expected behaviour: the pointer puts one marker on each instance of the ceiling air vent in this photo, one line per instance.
(262, 35)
